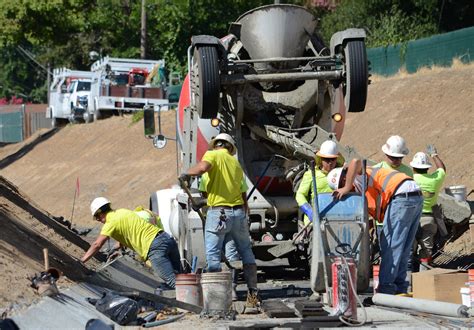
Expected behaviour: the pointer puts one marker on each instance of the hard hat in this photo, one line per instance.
(328, 150)
(420, 160)
(395, 147)
(97, 203)
(334, 177)
(224, 137)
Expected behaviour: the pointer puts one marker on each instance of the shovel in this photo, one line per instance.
(288, 246)
(195, 205)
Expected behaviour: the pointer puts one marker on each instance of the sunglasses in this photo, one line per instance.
(394, 158)
(328, 159)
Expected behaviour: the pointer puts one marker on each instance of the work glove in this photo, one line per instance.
(222, 221)
(184, 177)
(308, 210)
(431, 150)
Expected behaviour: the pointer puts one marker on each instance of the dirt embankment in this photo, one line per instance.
(112, 158)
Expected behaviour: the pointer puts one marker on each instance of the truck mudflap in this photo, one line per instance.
(344, 232)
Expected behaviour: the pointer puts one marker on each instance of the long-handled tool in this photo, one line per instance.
(195, 205)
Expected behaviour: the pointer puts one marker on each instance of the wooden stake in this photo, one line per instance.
(46, 259)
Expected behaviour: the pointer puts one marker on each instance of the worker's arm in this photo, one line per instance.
(199, 169)
(354, 169)
(438, 162)
(95, 247)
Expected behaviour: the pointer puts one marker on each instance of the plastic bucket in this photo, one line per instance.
(458, 192)
(217, 291)
(188, 289)
(375, 277)
(465, 296)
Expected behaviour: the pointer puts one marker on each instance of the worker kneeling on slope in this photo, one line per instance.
(394, 199)
(327, 158)
(150, 241)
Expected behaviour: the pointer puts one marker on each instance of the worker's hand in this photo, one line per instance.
(339, 193)
(184, 177)
(431, 150)
(308, 210)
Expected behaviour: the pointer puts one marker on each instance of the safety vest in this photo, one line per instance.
(381, 186)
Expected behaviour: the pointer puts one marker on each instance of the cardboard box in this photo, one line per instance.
(439, 284)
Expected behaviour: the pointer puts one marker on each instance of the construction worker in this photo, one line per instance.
(395, 149)
(227, 209)
(230, 250)
(430, 185)
(326, 159)
(149, 241)
(396, 200)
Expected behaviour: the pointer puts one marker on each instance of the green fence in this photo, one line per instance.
(11, 127)
(437, 50)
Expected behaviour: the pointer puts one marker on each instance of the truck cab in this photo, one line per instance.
(79, 91)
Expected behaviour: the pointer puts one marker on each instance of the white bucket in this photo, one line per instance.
(217, 291)
(466, 296)
(458, 192)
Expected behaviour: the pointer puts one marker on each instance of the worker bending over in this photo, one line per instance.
(148, 240)
(227, 209)
(396, 200)
(430, 185)
(326, 159)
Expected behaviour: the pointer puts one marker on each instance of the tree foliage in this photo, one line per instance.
(38, 33)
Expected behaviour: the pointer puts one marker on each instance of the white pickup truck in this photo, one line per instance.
(68, 96)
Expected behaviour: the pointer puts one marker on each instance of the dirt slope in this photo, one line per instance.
(433, 106)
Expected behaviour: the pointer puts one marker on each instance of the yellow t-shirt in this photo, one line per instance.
(430, 185)
(226, 178)
(402, 168)
(149, 216)
(126, 227)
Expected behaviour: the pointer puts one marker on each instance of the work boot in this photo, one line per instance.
(235, 281)
(253, 299)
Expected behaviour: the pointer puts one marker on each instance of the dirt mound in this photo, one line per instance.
(110, 158)
(433, 106)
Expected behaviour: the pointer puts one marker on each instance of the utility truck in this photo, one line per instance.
(68, 96)
(123, 85)
(274, 86)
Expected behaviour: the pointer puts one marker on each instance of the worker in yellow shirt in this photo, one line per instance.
(430, 184)
(226, 217)
(148, 240)
(395, 149)
(326, 159)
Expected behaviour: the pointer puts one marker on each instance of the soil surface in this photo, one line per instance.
(112, 158)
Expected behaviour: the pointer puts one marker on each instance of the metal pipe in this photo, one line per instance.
(421, 305)
(286, 59)
(239, 79)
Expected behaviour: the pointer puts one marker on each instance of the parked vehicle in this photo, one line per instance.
(68, 96)
(122, 85)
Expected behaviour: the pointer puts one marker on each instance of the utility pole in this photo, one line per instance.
(143, 32)
(48, 80)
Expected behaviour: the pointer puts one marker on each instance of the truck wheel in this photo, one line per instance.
(98, 115)
(355, 89)
(58, 122)
(88, 117)
(205, 86)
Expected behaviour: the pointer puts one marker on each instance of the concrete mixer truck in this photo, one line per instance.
(274, 86)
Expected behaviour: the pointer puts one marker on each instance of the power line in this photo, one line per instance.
(31, 57)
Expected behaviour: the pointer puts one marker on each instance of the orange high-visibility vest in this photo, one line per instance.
(381, 186)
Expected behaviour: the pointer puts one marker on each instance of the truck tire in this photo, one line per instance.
(205, 86)
(88, 117)
(58, 122)
(357, 76)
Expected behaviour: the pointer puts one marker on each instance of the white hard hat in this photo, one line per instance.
(420, 160)
(328, 150)
(395, 146)
(97, 203)
(224, 137)
(334, 177)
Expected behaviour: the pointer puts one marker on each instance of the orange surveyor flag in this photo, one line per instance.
(77, 187)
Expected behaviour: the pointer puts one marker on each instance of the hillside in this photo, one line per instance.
(113, 158)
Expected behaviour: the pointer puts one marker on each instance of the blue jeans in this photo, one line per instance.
(401, 222)
(164, 258)
(230, 250)
(236, 229)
